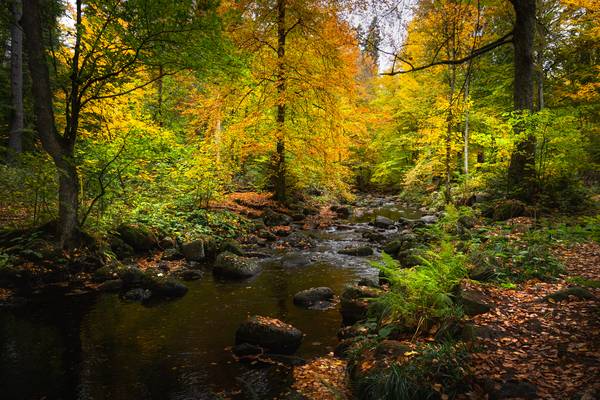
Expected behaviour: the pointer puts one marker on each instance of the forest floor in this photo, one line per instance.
(530, 348)
(535, 345)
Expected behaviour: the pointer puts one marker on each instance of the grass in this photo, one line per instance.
(432, 370)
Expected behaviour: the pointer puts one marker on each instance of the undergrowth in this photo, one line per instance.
(423, 292)
(433, 370)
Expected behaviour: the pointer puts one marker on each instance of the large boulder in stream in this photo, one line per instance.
(319, 298)
(383, 222)
(229, 265)
(273, 335)
(167, 288)
(358, 251)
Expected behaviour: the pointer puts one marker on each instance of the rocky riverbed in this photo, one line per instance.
(174, 314)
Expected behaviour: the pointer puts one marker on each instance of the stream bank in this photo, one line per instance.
(87, 344)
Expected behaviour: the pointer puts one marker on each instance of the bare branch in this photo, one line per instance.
(475, 53)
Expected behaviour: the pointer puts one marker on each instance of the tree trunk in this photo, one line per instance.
(540, 79)
(522, 164)
(159, 95)
(280, 170)
(466, 132)
(218, 139)
(59, 148)
(15, 141)
(449, 129)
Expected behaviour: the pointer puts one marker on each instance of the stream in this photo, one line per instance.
(97, 346)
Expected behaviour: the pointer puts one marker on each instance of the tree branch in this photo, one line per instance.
(475, 53)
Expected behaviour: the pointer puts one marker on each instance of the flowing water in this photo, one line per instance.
(97, 346)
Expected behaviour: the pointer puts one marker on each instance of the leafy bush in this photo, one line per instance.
(518, 260)
(423, 292)
(435, 369)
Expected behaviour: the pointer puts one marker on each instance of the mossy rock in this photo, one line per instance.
(270, 334)
(360, 251)
(574, 291)
(229, 265)
(108, 272)
(204, 247)
(508, 209)
(355, 300)
(138, 237)
(231, 246)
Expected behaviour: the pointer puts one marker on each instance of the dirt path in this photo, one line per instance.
(542, 349)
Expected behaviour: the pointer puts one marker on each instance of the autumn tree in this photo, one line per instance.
(302, 62)
(112, 44)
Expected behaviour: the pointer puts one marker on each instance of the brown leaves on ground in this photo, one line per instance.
(322, 379)
(554, 346)
(249, 204)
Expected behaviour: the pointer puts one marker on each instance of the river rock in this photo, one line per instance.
(319, 297)
(360, 251)
(200, 249)
(137, 294)
(167, 243)
(355, 303)
(370, 282)
(272, 218)
(295, 260)
(271, 334)
(138, 237)
(105, 273)
(267, 235)
(172, 254)
(401, 243)
(247, 351)
(132, 276)
(231, 246)
(429, 219)
(374, 236)
(229, 265)
(383, 222)
(167, 287)
(190, 274)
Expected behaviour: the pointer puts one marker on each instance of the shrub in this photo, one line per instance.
(420, 293)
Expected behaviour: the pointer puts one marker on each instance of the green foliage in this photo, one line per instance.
(581, 281)
(576, 229)
(29, 189)
(517, 261)
(435, 369)
(5, 260)
(423, 292)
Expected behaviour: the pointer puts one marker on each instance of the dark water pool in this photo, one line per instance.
(99, 347)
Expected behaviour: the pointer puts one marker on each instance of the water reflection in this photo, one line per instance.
(98, 347)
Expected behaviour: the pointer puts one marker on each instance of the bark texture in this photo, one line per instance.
(280, 168)
(15, 140)
(522, 164)
(58, 147)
